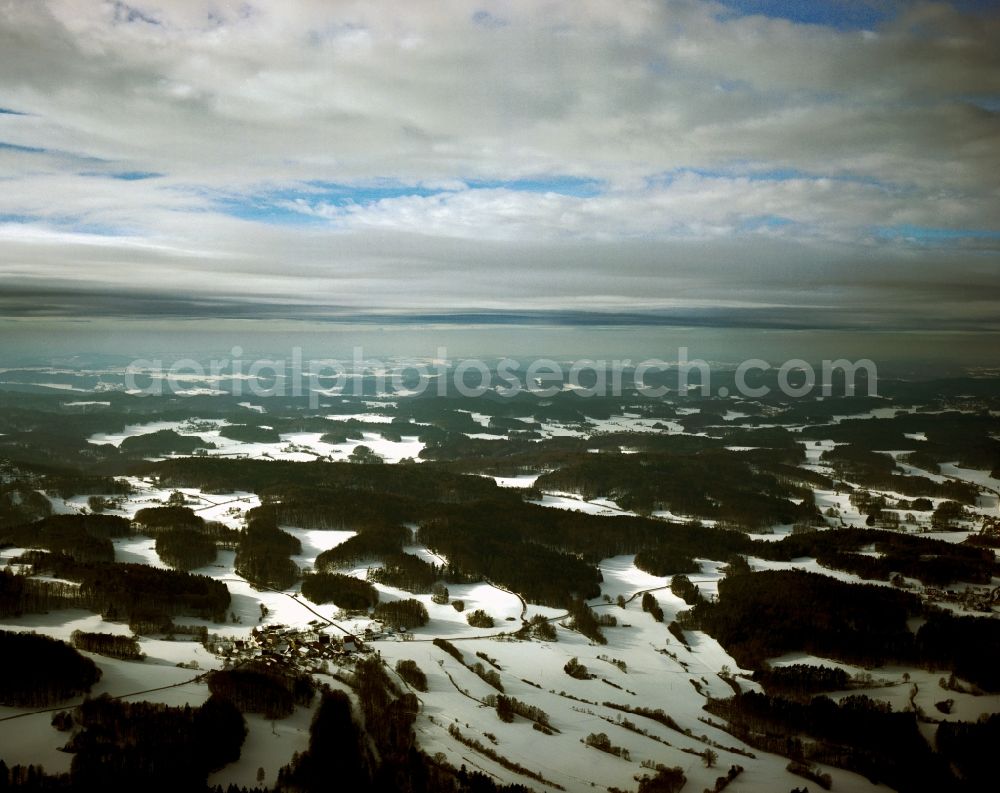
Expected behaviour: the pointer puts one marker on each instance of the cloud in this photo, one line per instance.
(640, 159)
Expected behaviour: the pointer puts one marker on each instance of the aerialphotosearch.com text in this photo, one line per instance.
(506, 377)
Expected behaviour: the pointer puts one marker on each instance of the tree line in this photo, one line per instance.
(113, 645)
(858, 734)
(262, 554)
(142, 595)
(765, 614)
(125, 745)
(40, 671)
(344, 591)
(87, 538)
(935, 562)
(257, 688)
(184, 549)
(401, 613)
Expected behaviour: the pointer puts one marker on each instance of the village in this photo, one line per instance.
(307, 650)
(972, 598)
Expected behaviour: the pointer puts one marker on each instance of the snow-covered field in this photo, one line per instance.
(293, 446)
(651, 678)
(656, 671)
(521, 480)
(570, 501)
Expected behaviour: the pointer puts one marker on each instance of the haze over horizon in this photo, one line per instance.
(769, 165)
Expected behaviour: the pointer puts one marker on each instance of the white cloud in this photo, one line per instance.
(241, 105)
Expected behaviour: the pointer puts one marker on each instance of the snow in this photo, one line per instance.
(32, 740)
(137, 550)
(876, 413)
(177, 685)
(632, 423)
(116, 438)
(293, 446)
(652, 677)
(622, 577)
(656, 679)
(556, 430)
(774, 533)
(521, 480)
(814, 449)
(371, 418)
(597, 506)
(226, 508)
(482, 419)
(425, 553)
(315, 541)
(59, 386)
(674, 517)
(912, 470)
(268, 745)
(893, 684)
(61, 624)
(976, 477)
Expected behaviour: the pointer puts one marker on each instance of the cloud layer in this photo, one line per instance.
(676, 161)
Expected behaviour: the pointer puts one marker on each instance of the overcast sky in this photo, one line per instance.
(766, 164)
